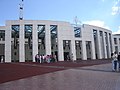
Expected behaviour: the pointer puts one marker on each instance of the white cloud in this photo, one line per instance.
(118, 31)
(96, 23)
(103, 0)
(116, 7)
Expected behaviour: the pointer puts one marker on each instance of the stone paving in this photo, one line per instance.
(97, 77)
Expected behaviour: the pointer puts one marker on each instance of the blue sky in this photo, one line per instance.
(103, 13)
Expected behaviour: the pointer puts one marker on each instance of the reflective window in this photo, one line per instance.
(28, 35)
(53, 30)
(2, 35)
(41, 31)
(54, 40)
(77, 31)
(115, 40)
(15, 35)
(15, 30)
(41, 39)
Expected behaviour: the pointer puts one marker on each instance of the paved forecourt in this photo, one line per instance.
(97, 77)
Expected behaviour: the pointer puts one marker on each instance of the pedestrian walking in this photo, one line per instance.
(37, 58)
(114, 61)
(72, 58)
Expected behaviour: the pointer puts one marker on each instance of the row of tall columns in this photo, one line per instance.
(100, 48)
(84, 54)
(35, 40)
(48, 44)
(100, 56)
(34, 43)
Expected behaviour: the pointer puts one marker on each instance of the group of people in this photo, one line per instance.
(115, 61)
(45, 58)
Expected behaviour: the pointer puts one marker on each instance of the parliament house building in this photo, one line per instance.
(21, 40)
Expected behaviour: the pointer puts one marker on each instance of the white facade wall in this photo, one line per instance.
(117, 44)
(87, 34)
(65, 31)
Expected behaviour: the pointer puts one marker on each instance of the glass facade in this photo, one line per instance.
(28, 38)
(2, 35)
(115, 40)
(78, 45)
(95, 42)
(54, 42)
(15, 43)
(41, 39)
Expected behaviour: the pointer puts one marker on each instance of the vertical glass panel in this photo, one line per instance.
(54, 43)
(15, 43)
(115, 40)
(77, 31)
(88, 49)
(116, 49)
(67, 50)
(2, 35)
(107, 47)
(41, 39)
(28, 42)
(78, 45)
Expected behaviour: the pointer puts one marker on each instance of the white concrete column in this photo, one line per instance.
(34, 41)
(105, 52)
(73, 50)
(109, 51)
(21, 43)
(8, 43)
(113, 45)
(99, 45)
(84, 54)
(47, 39)
(93, 49)
(60, 50)
(60, 44)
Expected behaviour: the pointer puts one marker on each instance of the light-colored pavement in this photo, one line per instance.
(97, 77)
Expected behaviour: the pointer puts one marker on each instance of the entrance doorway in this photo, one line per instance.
(66, 56)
